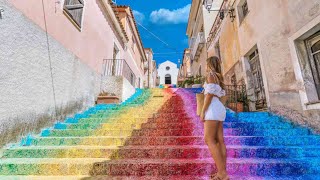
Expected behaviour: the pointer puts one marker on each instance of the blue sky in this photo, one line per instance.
(167, 19)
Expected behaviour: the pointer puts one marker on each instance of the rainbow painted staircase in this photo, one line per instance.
(156, 135)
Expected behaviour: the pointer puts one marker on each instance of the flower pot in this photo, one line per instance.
(187, 86)
(108, 100)
(238, 107)
(197, 86)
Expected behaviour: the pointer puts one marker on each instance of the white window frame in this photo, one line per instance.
(306, 31)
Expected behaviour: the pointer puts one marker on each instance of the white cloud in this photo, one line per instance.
(138, 16)
(166, 16)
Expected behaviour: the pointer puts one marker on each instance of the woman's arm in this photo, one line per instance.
(207, 101)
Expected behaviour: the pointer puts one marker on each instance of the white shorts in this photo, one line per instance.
(216, 111)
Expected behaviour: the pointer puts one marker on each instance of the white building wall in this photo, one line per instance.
(173, 71)
(29, 92)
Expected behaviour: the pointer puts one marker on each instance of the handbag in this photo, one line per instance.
(200, 102)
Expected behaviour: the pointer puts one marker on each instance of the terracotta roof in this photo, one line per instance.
(114, 8)
(135, 24)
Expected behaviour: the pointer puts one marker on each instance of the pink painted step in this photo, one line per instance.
(198, 167)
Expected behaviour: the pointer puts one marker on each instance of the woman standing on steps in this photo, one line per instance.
(213, 114)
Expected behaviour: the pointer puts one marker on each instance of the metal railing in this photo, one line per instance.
(119, 67)
(237, 98)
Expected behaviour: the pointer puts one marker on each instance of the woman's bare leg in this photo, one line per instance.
(211, 138)
(221, 143)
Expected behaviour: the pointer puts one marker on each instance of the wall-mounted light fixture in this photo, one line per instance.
(1, 12)
(208, 6)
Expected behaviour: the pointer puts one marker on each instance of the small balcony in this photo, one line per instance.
(196, 45)
(119, 67)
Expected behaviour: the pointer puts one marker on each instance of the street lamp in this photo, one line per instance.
(208, 6)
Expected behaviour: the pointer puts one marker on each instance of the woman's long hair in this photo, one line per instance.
(214, 65)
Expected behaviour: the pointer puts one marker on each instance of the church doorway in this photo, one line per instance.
(168, 79)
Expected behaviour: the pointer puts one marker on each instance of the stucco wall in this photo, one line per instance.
(92, 44)
(127, 89)
(117, 85)
(270, 27)
(200, 62)
(26, 90)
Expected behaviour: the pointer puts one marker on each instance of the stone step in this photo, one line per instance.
(157, 125)
(159, 152)
(48, 166)
(172, 118)
(172, 132)
(46, 177)
(142, 167)
(196, 177)
(104, 120)
(176, 140)
(247, 167)
(229, 140)
(309, 177)
(249, 125)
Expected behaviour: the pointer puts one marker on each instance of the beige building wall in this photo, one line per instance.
(278, 29)
(135, 55)
(200, 21)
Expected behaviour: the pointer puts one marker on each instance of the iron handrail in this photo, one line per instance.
(237, 98)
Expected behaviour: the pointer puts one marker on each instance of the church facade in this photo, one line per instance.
(168, 73)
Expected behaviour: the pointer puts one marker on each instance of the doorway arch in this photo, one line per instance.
(168, 79)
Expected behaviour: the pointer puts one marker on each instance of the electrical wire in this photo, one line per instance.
(154, 35)
(49, 58)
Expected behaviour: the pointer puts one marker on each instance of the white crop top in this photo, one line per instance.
(214, 89)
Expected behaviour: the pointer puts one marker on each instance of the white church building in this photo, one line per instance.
(168, 73)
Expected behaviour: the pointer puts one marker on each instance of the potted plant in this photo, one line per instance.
(198, 80)
(238, 103)
(107, 98)
(188, 82)
(243, 100)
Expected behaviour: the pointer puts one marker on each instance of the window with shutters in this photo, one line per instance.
(74, 10)
(313, 45)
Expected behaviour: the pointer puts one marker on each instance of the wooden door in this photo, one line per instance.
(259, 90)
